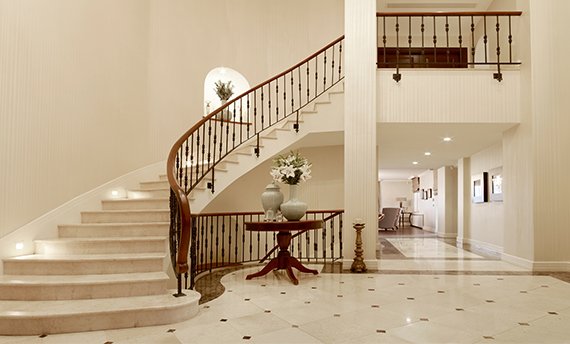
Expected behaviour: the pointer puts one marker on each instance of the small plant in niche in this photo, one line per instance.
(224, 90)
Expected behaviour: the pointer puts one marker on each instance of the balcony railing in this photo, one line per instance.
(220, 240)
(446, 40)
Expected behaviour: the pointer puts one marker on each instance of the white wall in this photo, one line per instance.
(486, 226)
(323, 191)
(73, 95)
(446, 202)
(448, 96)
(392, 189)
(427, 206)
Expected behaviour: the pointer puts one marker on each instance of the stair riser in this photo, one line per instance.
(135, 204)
(82, 322)
(112, 231)
(125, 217)
(97, 247)
(159, 184)
(15, 267)
(49, 292)
(148, 194)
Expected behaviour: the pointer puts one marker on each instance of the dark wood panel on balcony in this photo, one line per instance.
(422, 57)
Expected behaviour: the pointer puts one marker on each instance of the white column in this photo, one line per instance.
(360, 164)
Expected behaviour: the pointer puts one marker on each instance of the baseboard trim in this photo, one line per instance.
(518, 261)
(485, 246)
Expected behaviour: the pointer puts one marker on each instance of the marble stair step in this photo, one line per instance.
(95, 230)
(136, 204)
(49, 317)
(38, 264)
(156, 184)
(70, 246)
(122, 216)
(149, 193)
(77, 287)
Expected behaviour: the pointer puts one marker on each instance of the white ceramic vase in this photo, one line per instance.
(293, 209)
(271, 199)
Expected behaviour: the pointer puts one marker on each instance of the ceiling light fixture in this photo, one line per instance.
(447, 139)
(415, 162)
(427, 153)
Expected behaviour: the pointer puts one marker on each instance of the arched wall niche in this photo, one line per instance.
(223, 74)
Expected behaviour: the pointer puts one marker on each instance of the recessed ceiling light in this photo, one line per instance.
(447, 139)
(415, 162)
(427, 153)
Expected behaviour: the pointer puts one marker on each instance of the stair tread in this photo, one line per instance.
(21, 280)
(125, 211)
(102, 239)
(85, 257)
(136, 199)
(118, 224)
(57, 308)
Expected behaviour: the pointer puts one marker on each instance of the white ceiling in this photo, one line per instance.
(402, 143)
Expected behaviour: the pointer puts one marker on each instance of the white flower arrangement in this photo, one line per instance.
(291, 169)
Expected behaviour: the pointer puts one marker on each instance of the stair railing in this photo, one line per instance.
(240, 121)
(445, 40)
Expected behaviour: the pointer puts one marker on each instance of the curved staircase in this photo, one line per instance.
(107, 272)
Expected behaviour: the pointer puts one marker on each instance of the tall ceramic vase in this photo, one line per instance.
(271, 199)
(293, 209)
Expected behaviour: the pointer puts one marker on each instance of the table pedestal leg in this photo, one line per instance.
(283, 261)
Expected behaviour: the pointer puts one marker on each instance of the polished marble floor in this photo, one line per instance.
(428, 292)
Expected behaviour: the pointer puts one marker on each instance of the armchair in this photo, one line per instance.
(390, 219)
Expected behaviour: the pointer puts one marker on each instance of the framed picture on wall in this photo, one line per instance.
(479, 188)
(496, 184)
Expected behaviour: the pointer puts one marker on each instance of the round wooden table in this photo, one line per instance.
(284, 260)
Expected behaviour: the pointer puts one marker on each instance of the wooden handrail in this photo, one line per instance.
(241, 213)
(230, 102)
(448, 14)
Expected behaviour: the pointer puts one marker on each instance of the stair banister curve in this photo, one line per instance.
(240, 121)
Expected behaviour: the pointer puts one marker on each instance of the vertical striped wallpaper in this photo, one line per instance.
(73, 89)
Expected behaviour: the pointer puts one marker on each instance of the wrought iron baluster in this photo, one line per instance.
(423, 29)
(262, 112)
(383, 39)
(292, 92)
(254, 112)
(397, 76)
(332, 63)
(211, 252)
(434, 41)
(460, 39)
(308, 82)
(498, 76)
(472, 41)
(447, 38)
(485, 38)
(277, 100)
(316, 76)
(248, 117)
(186, 161)
(285, 97)
(325, 71)
(269, 103)
(299, 85)
(410, 41)
(340, 60)
(510, 42)
(217, 240)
